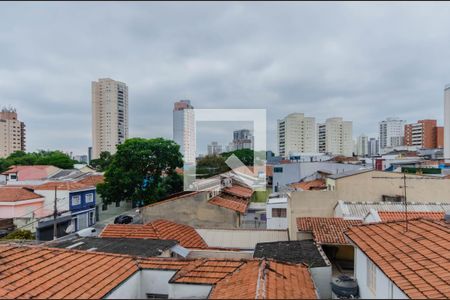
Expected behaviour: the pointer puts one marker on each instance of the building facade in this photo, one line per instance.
(12, 132)
(373, 147)
(362, 144)
(184, 129)
(423, 134)
(296, 134)
(214, 149)
(335, 136)
(447, 123)
(391, 133)
(109, 115)
(242, 139)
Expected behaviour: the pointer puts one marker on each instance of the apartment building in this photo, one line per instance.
(423, 134)
(296, 134)
(12, 132)
(109, 115)
(362, 144)
(242, 139)
(335, 137)
(391, 133)
(184, 129)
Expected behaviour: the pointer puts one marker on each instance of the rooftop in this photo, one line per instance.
(14, 194)
(349, 173)
(239, 191)
(134, 247)
(92, 180)
(297, 252)
(417, 260)
(34, 172)
(63, 185)
(400, 216)
(158, 229)
(317, 184)
(361, 209)
(326, 230)
(38, 272)
(233, 203)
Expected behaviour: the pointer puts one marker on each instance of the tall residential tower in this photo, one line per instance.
(392, 133)
(12, 133)
(335, 136)
(296, 134)
(447, 123)
(109, 115)
(184, 130)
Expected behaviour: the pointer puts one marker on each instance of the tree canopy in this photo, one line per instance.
(55, 158)
(245, 155)
(102, 163)
(142, 171)
(211, 165)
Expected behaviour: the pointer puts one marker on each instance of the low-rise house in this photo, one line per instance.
(301, 252)
(77, 198)
(375, 216)
(217, 209)
(401, 260)
(75, 274)
(329, 234)
(316, 184)
(29, 174)
(22, 205)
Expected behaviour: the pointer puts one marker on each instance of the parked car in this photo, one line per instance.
(123, 219)
(90, 231)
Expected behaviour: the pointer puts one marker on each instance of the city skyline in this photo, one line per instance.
(310, 74)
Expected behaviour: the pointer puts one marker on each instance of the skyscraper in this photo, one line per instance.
(12, 132)
(214, 148)
(447, 123)
(242, 139)
(373, 147)
(391, 133)
(362, 145)
(335, 136)
(184, 129)
(109, 115)
(296, 134)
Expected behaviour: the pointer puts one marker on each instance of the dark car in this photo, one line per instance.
(123, 219)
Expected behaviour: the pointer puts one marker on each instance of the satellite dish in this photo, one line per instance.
(70, 228)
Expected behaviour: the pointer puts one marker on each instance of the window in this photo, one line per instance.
(13, 176)
(278, 212)
(157, 296)
(89, 198)
(371, 275)
(91, 218)
(76, 200)
(278, 170)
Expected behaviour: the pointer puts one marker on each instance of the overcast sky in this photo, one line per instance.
(362, 62)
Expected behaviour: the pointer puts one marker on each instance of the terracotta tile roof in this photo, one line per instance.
(316, 184)
(417, 260)
(233, 203)
(206, 271)
(158, 229)
(239, 191)
(184, 234)
(92, 180)
(13, 194)
(63, 185)
(266, 280)
(326, 230)
(35, 272)
(134, 231)
(34, 172)
(400, 216)
(39, 272)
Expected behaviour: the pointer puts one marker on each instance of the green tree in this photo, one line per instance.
(55, 158)
(20, 234)
(102, 163)
(245, 155)
(211, 165)
(136, 170)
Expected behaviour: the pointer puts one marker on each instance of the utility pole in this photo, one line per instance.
(55, 213)
(406, 201)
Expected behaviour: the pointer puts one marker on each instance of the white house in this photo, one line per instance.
(401, 260)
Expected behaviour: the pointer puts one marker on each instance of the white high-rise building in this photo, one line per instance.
(447, 123)
(296, 134)
(214, 148)
(109, 115)
(12, 133)
(361, 145)
(335, 136)
(373, 147)
(392, 133)
(184, 130)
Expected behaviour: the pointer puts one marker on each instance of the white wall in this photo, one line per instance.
(188, 291)
(322, 279)
(155, 282)
(276, 223)
(127, 290)
(383, 284)
(49, 195)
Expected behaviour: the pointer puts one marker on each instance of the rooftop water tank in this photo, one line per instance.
(344, 286)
